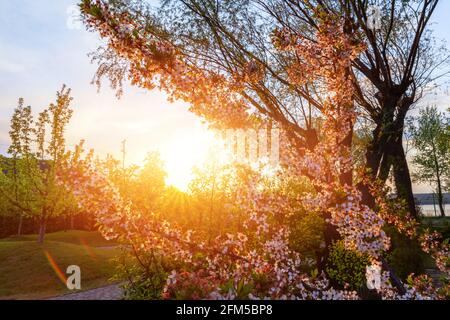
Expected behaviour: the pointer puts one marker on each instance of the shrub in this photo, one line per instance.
(406, 256)
(306, 232)
(145, 279)
(347, 267)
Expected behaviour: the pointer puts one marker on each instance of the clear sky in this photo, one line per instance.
(40, 50)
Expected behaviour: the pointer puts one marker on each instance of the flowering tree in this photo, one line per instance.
(256, 263)
(227, 44)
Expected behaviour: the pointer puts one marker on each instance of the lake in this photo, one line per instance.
(430, 210)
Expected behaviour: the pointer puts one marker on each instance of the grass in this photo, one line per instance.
(79, 237)
(26, 270)
(440, 224)
(436, 220)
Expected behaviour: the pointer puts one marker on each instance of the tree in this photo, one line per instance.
(259, 262)
(208, 51)
(400, 59)
(142, 186)
(447, 176)
(38, 153)
(8, 213)
(148, 185)
(240, 65)
(431, 140)
(20, 136)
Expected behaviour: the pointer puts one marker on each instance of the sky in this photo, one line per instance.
(42, 47)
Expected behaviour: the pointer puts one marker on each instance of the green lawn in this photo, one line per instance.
(79, 237)
(26, 270)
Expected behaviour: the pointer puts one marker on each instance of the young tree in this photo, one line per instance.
(20, 135)
(142, 186)
(431, 140)
(38, 153)
(447, 175)
(148, 186)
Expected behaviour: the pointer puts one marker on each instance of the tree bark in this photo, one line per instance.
(402, 178)
(41, 236)
(438, 180)
(440, 197)
(386, 152)
(19, 228)
(347, 177)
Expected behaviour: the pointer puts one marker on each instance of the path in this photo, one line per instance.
(435, 275)
(111, 292)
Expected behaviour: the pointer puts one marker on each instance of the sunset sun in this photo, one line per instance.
(184, 151)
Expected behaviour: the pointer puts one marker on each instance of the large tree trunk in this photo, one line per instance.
(373, 162)
(402, 177)
(383, 153)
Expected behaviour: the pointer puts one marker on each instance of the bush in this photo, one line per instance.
(406, 256)
(347, 267)
(439, 224)
(145, 278)
(306, 232)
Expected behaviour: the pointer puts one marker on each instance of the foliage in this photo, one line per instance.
(262, 248)
(145, 276)
(347, 267)
(142, 186)
(38, 151)
(306, 236)
(431, 140)
(441, 225)
(406, 256)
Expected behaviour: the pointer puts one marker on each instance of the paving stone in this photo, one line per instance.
(111, 292)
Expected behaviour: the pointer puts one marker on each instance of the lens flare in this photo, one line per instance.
(55, 267)
(88, 249)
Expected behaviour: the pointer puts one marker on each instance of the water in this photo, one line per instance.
(428, 210)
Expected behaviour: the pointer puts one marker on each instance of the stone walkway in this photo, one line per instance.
(111, 292)
(436, 275)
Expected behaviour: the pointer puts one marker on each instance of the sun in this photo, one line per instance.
(185, 150)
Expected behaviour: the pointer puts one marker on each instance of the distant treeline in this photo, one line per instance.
(9, 224)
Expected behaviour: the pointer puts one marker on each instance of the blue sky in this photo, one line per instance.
(39, 52)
